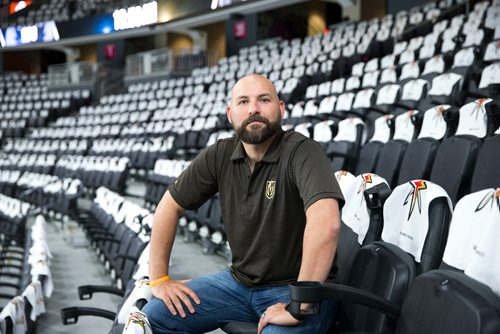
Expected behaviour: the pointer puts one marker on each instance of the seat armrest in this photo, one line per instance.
(69, 315)
(86, 291)
(315, 292)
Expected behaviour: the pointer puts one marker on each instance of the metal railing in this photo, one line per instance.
(149, 63)
(166, 62)
(98, 78)
(72, 74)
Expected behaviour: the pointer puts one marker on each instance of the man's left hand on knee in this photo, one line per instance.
(277, 315)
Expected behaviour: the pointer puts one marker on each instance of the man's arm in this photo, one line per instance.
(174, 293)
(320, 243)
(320, 240)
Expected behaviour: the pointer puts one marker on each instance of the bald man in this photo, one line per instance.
(280, 206)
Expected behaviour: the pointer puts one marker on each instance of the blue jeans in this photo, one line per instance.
(223, 300)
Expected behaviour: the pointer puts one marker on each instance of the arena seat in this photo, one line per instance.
(456, 155)
(419, 154)
(387, 259)
(123, 246)
(391, 155)
(343, 149)
(361, 219)
(467, 279)
(485, 174)
(26, 297)
(369, 153)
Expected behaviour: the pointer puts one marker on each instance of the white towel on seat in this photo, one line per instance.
(473, 119)
(406, 215)
(467, 227)
(15, 311)
(42, 269)
(141, 291)
(137, 323)
(34, 294)
(484, 264)
(355, 213)
(345, 180)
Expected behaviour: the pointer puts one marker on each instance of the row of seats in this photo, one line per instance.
(164, 172)
(415, 145)
(26, 280)
(119, 230)
(94, 171)
(47, 192)
(27, 103)
(423, 256)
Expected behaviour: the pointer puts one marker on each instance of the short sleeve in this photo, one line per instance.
(313, 175)
(198, 182)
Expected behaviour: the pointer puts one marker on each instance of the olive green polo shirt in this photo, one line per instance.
(264, 210)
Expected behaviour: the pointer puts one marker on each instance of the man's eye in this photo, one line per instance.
(242, 102)
(265, 99)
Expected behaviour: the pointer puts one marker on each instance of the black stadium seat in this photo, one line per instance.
(457, 155)
(488, 159)
(419, 155)
(383, 272)
(362, 219)
(391, 155)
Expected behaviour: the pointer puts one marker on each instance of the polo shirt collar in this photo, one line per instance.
(272, 154)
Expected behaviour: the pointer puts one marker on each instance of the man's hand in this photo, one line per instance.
(277, 315)
(175, 293)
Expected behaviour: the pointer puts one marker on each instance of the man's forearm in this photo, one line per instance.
(162, 237)
(320, 240)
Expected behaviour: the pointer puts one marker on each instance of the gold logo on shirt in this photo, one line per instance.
(270, 189)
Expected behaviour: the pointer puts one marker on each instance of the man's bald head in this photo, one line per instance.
(242, 85)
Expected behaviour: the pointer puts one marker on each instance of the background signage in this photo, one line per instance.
(41, 32)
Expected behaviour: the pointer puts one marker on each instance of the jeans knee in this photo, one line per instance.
(158, 314)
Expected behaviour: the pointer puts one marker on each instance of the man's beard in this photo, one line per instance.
(257, 136)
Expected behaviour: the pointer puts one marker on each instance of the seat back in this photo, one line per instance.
(416, 219)
(369, 153)
(419, 155)
(456, 156)
(470, 289)
(391, 155)
(486, 170)
(361, 219)
(343, 150)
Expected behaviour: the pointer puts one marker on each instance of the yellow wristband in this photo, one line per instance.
(158, 281)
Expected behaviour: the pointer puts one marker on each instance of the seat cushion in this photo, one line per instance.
(240, 328)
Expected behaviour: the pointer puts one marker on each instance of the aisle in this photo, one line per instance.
(74, 264)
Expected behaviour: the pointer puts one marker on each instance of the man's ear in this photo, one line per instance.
(282, 108)
(228, 114)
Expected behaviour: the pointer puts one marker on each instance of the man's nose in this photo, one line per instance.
(253, 107)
